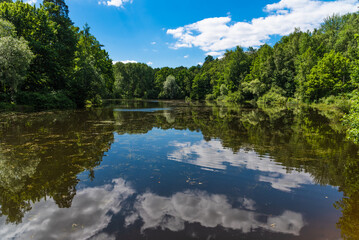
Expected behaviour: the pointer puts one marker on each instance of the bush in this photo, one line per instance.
(352, 120)
(94, 102)
(5, 97)
(223, 90)
(4, 107)
(343, 103)
(273, 97)
(210, 97)
(235, 97)
(43, 101)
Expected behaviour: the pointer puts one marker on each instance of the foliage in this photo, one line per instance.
(134, 80)
(65, 59)
(6, 29)
(329, 77)
(275, 96)
(352, 119)
(170, 88)
(235, 97)
(15, 58)
(46, 100)
(93, 70)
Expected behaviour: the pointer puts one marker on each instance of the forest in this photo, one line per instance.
(48, 63)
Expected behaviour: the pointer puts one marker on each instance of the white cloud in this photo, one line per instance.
(218, 34)
(153, 43)
(215, 54)
(149, 63)
(186, 56)
(212, 155)
(115, 3)
(31, 2)
(129, 61)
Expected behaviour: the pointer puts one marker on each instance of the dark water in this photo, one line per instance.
(171, 170)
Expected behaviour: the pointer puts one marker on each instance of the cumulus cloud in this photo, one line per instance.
(212, 155)
(149, 63)
(31, 2)
(209, 210)
(220, 33)
(153, 43)
(129, 61)
(186, 56)
(215, 54)
(115, 3)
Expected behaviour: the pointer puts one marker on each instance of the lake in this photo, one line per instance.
(177, 170)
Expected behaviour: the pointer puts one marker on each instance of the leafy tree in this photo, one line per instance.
(238, 68)
(35, 26)
(7, 29)
(304, 65)
(160, 78)
(170, 88)
(65, 41)
(93, 73)
(64, 10)
(329, 77)
(134, 80)
(352, 119)
(15, 58)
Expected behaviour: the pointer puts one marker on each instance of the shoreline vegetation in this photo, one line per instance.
(48, 63)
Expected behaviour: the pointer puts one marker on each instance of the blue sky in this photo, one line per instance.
(181, 33)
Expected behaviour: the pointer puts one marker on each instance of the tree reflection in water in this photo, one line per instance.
(42, 154)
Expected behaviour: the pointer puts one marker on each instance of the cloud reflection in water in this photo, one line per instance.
(88, 215)
(93, 208)
(209, 211)
(212, 155)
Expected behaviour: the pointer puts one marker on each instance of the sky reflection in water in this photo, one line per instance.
(160, 180)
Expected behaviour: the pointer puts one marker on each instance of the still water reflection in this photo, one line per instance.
(171, 170)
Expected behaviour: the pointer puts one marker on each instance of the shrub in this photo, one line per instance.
(273, 97)
(352, 120)
(210, 97)
(343, 103)
(235, 97)
(43, 101)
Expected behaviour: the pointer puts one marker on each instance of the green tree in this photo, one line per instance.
(237, 69)
(330, 76)
(7, 28)
(15, 58)
(64, 10)
(304, 64)
(261, 75)
(65, 42)
(170, 88)
(36, 27)
(93, 73)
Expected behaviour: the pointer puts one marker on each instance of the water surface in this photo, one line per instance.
(173, 170)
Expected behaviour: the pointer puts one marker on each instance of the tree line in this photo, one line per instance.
(305, 66)
(43, 52)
